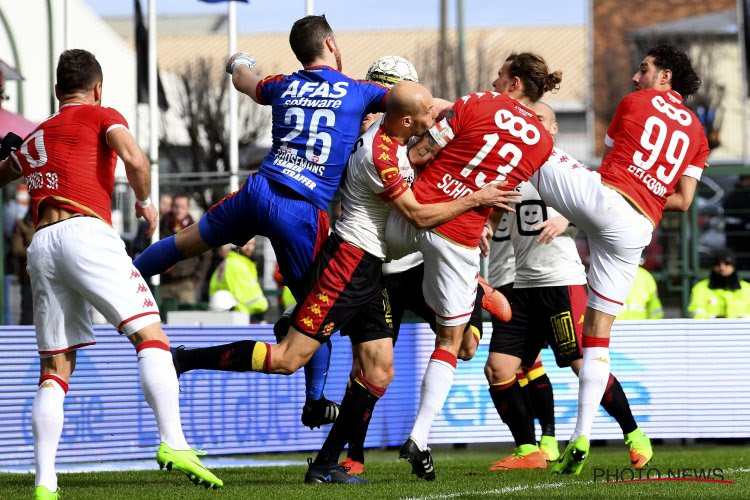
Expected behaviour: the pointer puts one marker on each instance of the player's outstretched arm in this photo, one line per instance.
(138, 171)
(434, 214)
(243, 78)
(680, 200)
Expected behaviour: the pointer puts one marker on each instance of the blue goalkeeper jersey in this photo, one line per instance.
(316, 117)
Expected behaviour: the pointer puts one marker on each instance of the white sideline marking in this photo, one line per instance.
(730, 471)
(496, 491)
(210, 462)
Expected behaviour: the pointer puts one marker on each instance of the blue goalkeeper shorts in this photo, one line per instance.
(297, 228)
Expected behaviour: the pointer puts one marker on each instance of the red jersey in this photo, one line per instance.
(655, 139)
(67, 162)
(486, 137)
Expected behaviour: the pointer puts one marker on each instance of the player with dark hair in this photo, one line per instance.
(461, 144)
(345, 286)
(76, 259)
(548, 300)
(316, 114)
(656, 152)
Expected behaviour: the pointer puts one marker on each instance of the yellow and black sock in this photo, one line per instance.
(242, 356)
(542, 398)
(511, 406)
(616, 403)
(354, 416)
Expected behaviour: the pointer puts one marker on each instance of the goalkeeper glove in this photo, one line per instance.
(240, 58)
(11, 142)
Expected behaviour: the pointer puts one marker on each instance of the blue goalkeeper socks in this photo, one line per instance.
(316, 372)
(159, 257)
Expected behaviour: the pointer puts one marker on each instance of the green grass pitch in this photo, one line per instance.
(461, 473)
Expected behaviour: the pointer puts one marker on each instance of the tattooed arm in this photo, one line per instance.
(423, 151)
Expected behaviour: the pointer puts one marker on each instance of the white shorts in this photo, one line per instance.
(77, 263)
(617, 231)
(450, 270)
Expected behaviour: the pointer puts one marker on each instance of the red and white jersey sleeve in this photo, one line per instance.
(655, 140)
(377, 174)
(487, 137)
(68, 163)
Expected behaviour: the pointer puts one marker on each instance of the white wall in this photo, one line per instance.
(28, 20)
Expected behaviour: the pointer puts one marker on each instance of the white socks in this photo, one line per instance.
(436, 384)
(159, 384)
(47, 425)
(592, 382)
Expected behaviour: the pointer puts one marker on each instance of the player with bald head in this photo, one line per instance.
(344, 288)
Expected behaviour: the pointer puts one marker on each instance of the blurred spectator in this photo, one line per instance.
(643, 300)
(238, 275)
(165, 207)
(737, 221)
(20, 240)
(182, 280)
(723, 294)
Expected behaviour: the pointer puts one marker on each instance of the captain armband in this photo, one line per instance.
(442, 133)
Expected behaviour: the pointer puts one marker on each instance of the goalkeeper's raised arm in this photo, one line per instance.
(244, 78)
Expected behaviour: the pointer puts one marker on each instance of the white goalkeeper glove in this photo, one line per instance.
(240, 59)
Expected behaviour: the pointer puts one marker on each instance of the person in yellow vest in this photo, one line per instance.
(723, 294)
(238, 275)
(643, 300)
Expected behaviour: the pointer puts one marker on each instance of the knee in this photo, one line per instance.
(284, 366)
(467, 352)
(496, 373)
(380, 375)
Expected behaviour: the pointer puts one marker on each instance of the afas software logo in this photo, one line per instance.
(653, 474)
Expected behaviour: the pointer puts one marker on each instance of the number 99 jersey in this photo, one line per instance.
(655, 140)
(316, 117)
(486, 137)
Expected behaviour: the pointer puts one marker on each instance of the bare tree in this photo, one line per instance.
(203, 106)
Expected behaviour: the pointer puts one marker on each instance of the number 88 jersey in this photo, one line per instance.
(655, 140)
(486, 137)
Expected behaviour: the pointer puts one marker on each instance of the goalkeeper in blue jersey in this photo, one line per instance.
(316, 114)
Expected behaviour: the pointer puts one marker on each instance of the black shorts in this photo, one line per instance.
(344, 288)
(405, 292)
(551, 315)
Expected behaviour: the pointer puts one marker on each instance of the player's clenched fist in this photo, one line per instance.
(240, 59)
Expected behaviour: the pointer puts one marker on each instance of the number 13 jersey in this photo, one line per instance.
(486, 137)
(655, 140)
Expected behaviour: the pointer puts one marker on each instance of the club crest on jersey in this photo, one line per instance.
(328, 328)
(388, 175)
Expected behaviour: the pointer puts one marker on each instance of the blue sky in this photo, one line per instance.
(277, 15)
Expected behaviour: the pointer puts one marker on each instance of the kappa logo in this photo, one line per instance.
(328, 328)
(135, 274)
(580, 320)
(384, 157)
(315, 309)
(386, 139)
(142, 288)
(307, 321)
(384, 147)
(323, 298)
(148, 303)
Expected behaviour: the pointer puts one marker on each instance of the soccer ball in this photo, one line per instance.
(389, 70)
